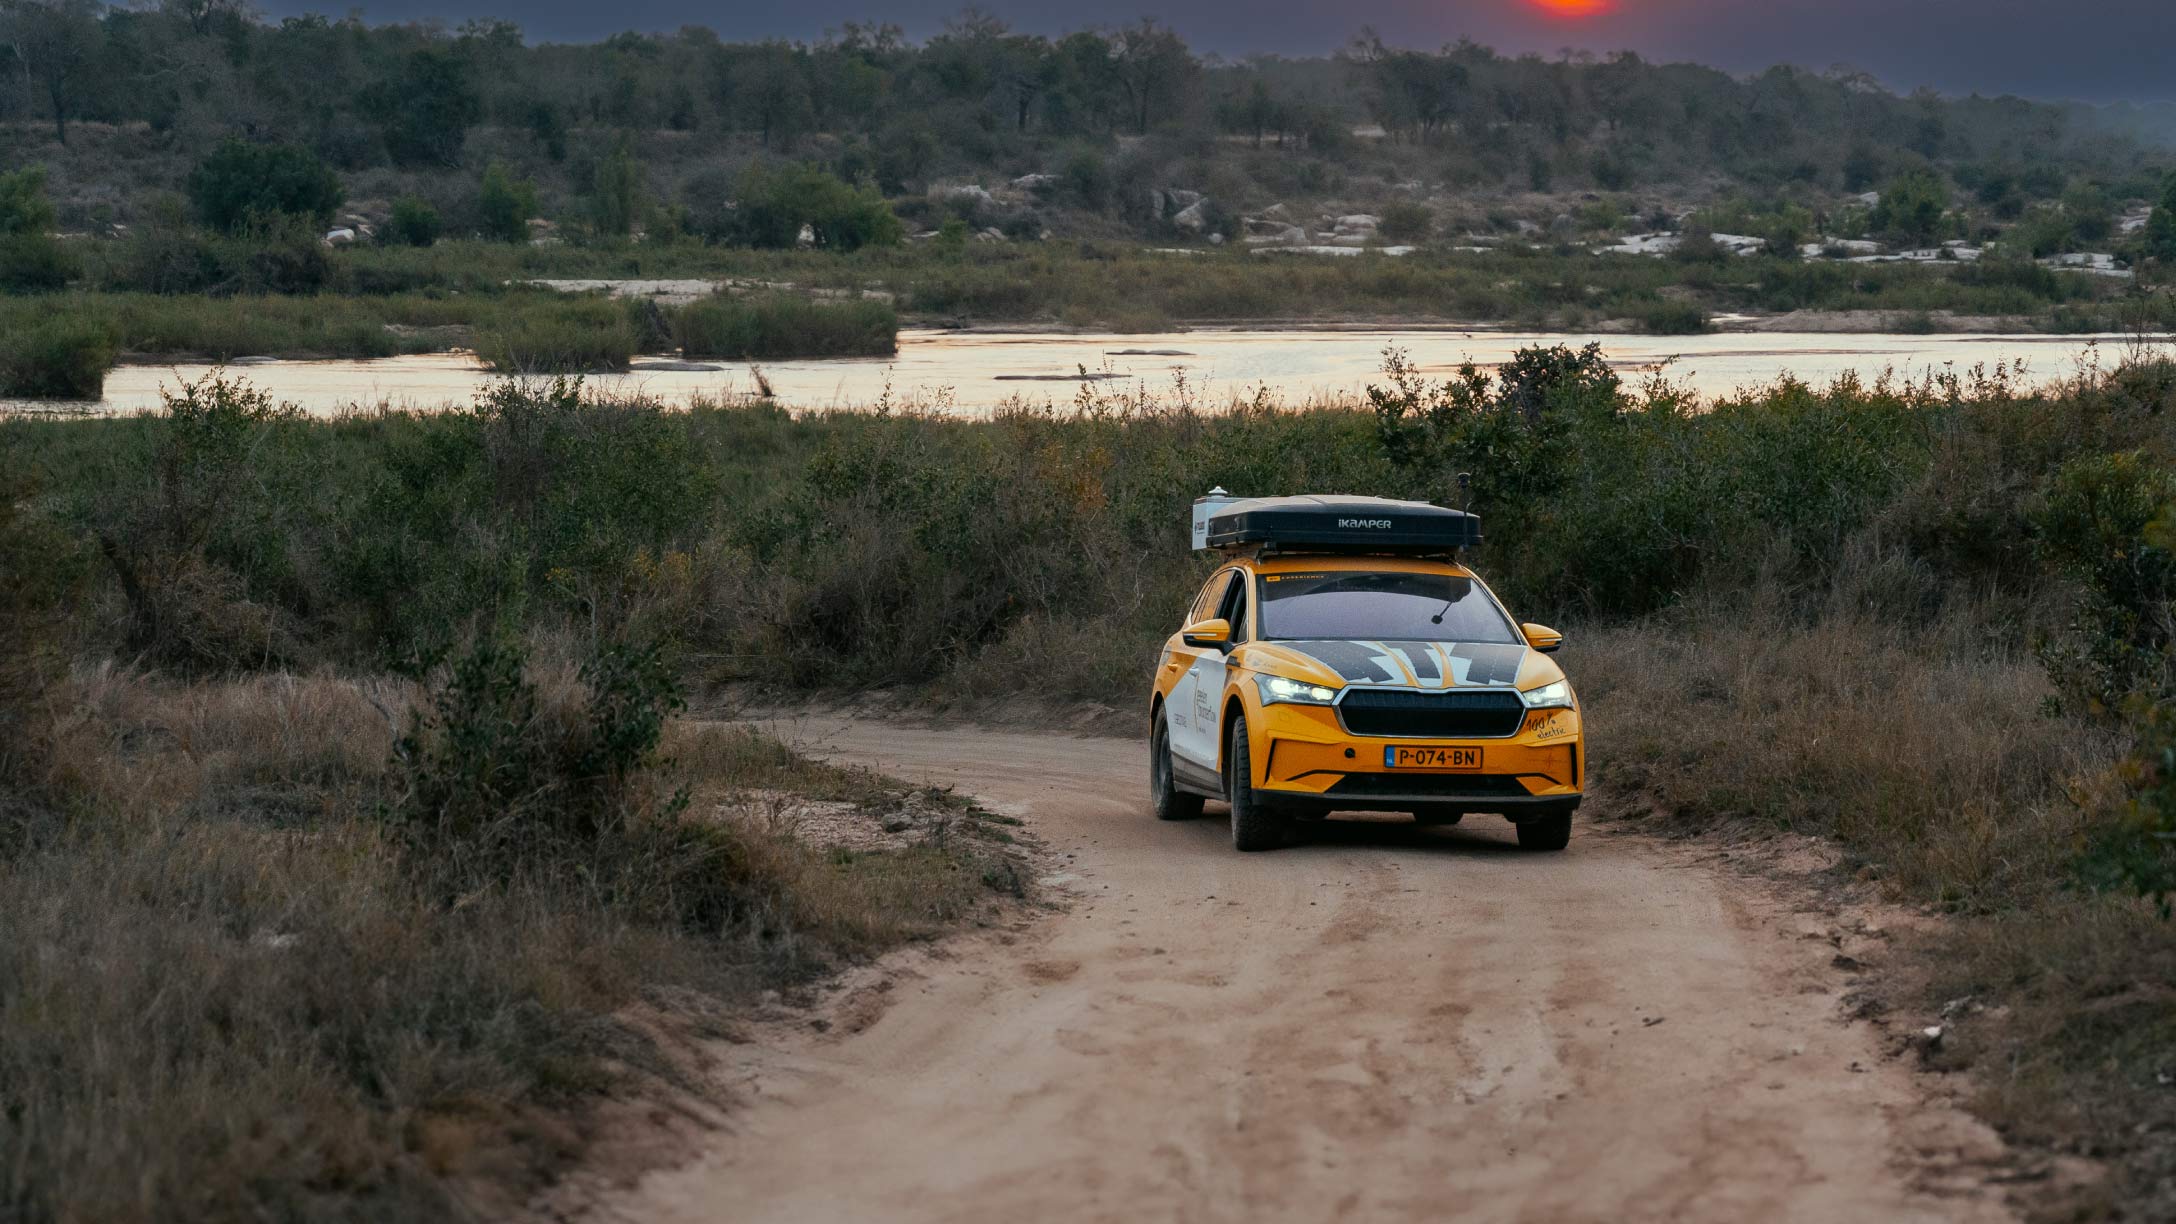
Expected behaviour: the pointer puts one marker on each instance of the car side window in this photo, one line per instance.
(1234, 607)
(1211, 597)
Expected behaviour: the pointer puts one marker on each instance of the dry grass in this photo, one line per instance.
(220, 976)
(1917, 738)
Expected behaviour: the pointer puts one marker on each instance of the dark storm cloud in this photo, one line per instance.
(2097, 49)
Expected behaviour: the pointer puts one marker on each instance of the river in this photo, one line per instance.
(970, 372)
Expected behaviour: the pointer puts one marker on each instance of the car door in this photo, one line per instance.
(1194, 701)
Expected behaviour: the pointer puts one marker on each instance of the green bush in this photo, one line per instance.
(775, 202)
(24, 206)
(505, 204)
(414, 222)
(2105, 521)
(1671, 318)
(241, 184)
(1408, 221)
(583, 338)
(783, 326)
(63, 358)
(35, 263)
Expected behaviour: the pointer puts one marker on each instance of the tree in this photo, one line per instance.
(1912, 207)
(2161, 226)
(424, 114)
(24, 208)
(774, 202)
(1154, 68)
(505, 204)
(242, 183)
(616, 192)
(31, 259)
(59, 44)
(414, 223)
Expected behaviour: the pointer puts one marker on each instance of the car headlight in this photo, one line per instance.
(1557, 696)
(1278, 690)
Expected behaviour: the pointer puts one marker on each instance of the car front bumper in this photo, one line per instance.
(1540, 770)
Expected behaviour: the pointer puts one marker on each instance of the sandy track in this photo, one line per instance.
(1387, 1023)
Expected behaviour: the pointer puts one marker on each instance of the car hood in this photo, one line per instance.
(1428, 665)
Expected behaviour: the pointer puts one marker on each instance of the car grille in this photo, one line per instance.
(1408, 785)
(1454, 715)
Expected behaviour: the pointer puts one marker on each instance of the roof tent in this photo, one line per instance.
(1340, 524)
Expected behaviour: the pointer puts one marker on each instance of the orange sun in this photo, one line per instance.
(1572, 8)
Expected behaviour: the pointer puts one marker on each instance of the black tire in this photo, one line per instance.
(1545, 832)
(1255, 824)
(1164, 795)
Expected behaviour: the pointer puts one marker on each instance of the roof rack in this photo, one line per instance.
(1334, 524)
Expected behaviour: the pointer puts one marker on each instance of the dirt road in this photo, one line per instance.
(1387, 1023)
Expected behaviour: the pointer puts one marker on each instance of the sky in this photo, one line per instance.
(2096, 50)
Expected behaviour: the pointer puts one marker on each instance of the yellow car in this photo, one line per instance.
(1342, 659)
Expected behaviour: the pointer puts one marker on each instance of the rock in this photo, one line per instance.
(1271, 234)
(1034, 182)
(1192, 219)
(1526, 227)
(1216, 240)
(990, 234)
(807, 236)
(676, 367)
(343, 236)
(1357, 222)
(972, 194)
(1178, 199)
(1277, 213)
(1872, 199)
(1562, 223)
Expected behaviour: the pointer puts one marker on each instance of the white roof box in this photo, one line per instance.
(1334, 524)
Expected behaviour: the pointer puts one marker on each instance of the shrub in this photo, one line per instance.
(1671, 318)
(597, 336)
(240, 184)
(1912, 207)
(24, 206)
(784, 326)
(505, 204)
(178, 518)
(1408, 221)
(63, 358)
(414, 222)
(34, 263)
(775, 202)
(2106, 522)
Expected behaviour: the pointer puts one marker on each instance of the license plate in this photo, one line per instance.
(1395, 757)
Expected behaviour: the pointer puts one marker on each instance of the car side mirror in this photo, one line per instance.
(1542, 637)
(1212, 634)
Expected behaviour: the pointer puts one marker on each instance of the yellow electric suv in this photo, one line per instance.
(1342, 659)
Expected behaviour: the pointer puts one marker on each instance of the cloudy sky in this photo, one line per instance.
(2093, 49)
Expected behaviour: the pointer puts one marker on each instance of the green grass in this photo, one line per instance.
(778, 327)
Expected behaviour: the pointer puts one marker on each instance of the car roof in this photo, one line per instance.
(1317, 563)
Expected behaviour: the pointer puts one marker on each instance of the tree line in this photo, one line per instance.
(897, 112)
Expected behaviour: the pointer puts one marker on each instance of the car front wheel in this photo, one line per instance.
(1164, 795)
(1255, 825)
(1545, 832)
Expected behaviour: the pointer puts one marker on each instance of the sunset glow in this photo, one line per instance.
(1573, 8)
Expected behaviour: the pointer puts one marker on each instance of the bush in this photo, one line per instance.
(24, 206)
(616, 193)
(241, 184)
(783, 326)
(1408, 221)
(2106, 522)
(34, 263)
(1671, 318)
(505, 204)
(64, 358)
(775, 202)
(581, 339)
(414, 222)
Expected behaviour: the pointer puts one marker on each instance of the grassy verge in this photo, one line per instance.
(306, 1006)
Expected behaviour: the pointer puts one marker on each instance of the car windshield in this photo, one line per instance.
(1394, 607)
